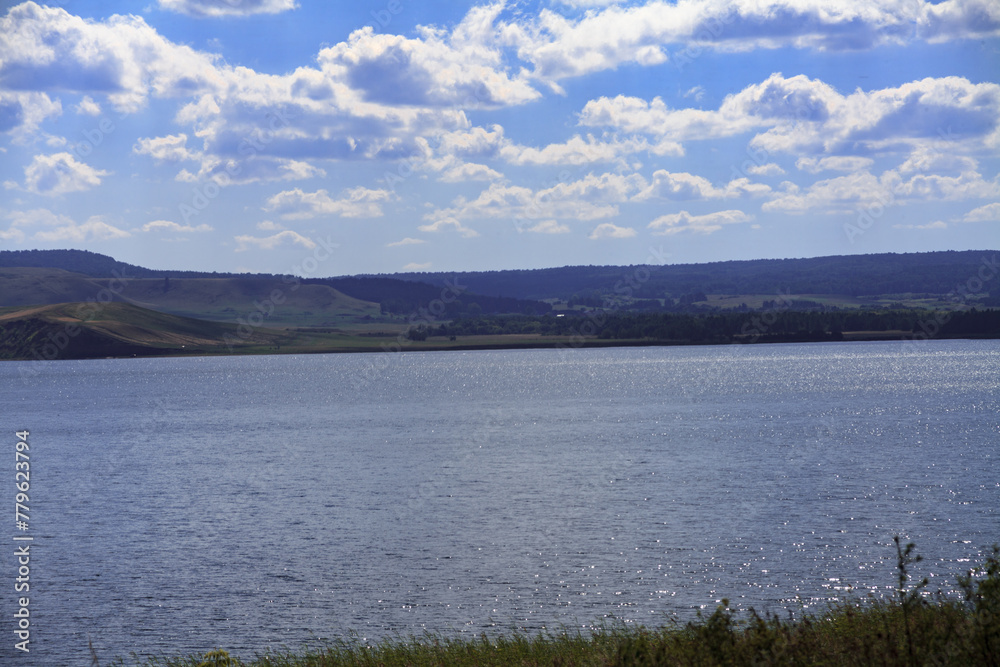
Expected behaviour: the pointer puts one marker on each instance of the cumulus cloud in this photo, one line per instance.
(769, 169)
(88, 107)
(12, 234)
(47, 48)
(833, 163)
(171, 148)
(169, 226)
(559, 47)
(245, 242)
(580, 151)
(987, 213)
(462, 68)
(24, 111)
(940, 224)
(406, 241)
(808, 116)
(443, 223)
(220, 8)
(675, 223)
(607, 230)
(94, 229)
(463, 172)
(417, 266)
(834, 195)
(549, 227)
(359, 202)
(60, 173)
(685, 186)
(924, 187)
(513, 202)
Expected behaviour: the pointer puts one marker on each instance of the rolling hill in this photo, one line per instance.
(89, 330)
(222, 299)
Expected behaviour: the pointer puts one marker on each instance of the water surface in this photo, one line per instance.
(251, 503)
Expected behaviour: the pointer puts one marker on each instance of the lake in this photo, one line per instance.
(255, 503)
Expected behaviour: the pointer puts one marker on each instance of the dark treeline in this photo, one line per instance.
(760, 326)
(854, 275)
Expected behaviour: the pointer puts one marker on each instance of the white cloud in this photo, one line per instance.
(607, 230)
(674, 223)
(47, 48)
(600, 188)
(769, 169)
(560, 47)
(938, 159)
(987, 213)
(808, 117)
(406, 241)
(22, 112)
(512, 202)
(60, 173)
(579, 151)
(359, 202)
(685, 186)
(39, 217)
(94, 229)
(168, 226)
(220, 8)
(469, 171)
(463, 68)
(12, 234)
(840, 194)
(833, 163)
(959, 19)
(940, 224)
(88, 107)
(414, 266)
(928, 187)
(443, 223)
(171, 148)
(698, 93)
(549, 227)
(269, 226)
(246, 242)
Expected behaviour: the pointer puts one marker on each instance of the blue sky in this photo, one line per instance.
(249, 135)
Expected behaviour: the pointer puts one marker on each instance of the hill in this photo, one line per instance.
(88, 330)
(936, 273)
(218, 298)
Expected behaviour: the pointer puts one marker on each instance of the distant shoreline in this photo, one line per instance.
(392, 346)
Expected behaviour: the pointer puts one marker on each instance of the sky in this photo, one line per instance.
(329, 138)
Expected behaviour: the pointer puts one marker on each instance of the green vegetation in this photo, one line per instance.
(912, 628)
(775, 325)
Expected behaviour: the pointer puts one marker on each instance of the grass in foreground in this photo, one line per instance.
(907, 630)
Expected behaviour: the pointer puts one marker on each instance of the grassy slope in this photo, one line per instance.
(221, 299)
(29, 286)
(84, 331)
(78, 331)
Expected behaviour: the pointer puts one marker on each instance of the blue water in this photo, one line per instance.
(255, 503)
